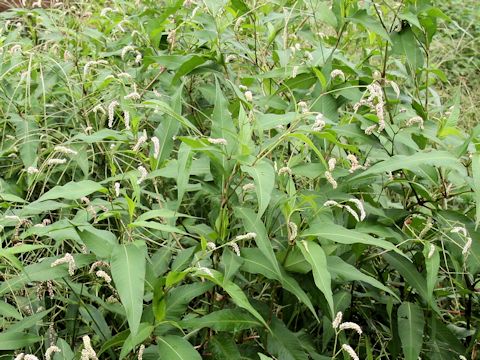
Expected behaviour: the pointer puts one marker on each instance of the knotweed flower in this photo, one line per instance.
(338, 319)
(369, 130)
(431, 251)
(248, 95)
(134, 95)
(205, 270)
(88, 353)
(459, 229)
(65, 150)
(98, 108)
(52, 349)
(56, 161)
(285, 170)
(428, 226)
(352, 326)
(349, 350)
(395, 88)
(105, 11)
(351, 211)
(97, 264)
(32, 170)
(330, 179)
(15, 48)
(171, 37)
(303, 106)
(337, 73)
(67, 259)
(156, 146)
(102, 274)
(124, 75)
(248, 187)
(138, 58)
(140, 352)
(247, 236)
(467, 246)
(360, 207)
(211, 246)
(292, 231)
(415, 120)
(230, 58)
(235, 248)
(354, 164)
(332, 162)
(126, 50)
(117, 189)
(143, 174)
(319, 123)
(294, 71)
(141, 140)
(111, 112)
(217, 141)
(30, 357)
(329, 203)
(126, 119)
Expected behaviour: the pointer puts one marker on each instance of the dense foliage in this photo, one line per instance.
(234, 179)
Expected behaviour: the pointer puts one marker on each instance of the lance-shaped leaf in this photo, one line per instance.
(173, 347)
(341, 235)
(223, 320)
(263, 176)
(410, 329)
(315, 256)
(72, 190)
(128, 272)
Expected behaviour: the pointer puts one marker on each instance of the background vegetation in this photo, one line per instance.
(240, 179)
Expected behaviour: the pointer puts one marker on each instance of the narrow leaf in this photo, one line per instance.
(128, 271)
(410, 329)
(315, 256)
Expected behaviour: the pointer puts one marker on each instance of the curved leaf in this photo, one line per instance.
(174, 347)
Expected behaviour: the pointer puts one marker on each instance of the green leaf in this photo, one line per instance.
(72, 190)
(432, 264)
(223, 346)
(222, 123)
(252, 223)
(232, 289)
(8, 311)
(128, 271)
(350, 273)
(223, 320)
(184, 167)
(178, 298)
(165, 108)
(283, 343)
(187, 67)
(404, 43)
(254, 263)
(315, 256)
(408, 271)
(370, 23)
(263, 176)
(339, 234)
(412, 162)
(100, 242)
(28, 135)
(17, 340)
(174, 347)
(476, 185)
(231, 263)
(144, 331)
(169, 127)
(410, 329)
